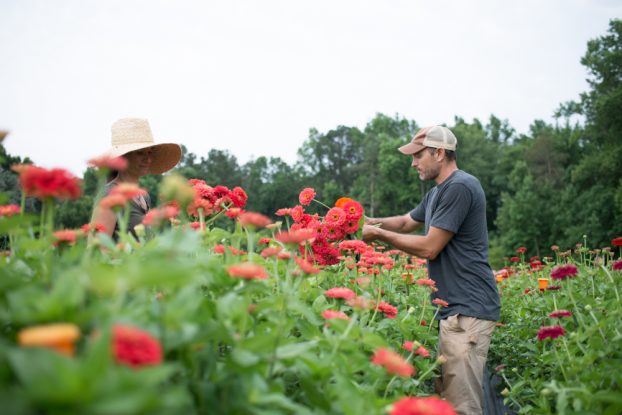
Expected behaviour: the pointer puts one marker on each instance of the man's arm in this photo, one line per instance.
(400, 224)
(428, 246)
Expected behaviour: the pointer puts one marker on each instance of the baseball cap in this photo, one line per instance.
(436, 136)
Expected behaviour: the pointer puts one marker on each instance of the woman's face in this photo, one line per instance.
(139, 162)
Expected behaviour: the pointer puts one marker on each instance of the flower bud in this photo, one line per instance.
(175, 188)
(505, 392)
(514, 370)
(411, 310)
(441, 360)
(588, 307)
(140, 230)
(545, 392)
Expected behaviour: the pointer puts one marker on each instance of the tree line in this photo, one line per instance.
(557, 183)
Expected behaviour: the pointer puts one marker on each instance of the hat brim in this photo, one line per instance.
(165, 155)
(411, 148)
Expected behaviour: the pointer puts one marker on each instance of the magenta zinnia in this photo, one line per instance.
(560, 314)
(561, 272)
(550, 331)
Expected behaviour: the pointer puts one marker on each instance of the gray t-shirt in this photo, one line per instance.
(138, 209)
(461, 271)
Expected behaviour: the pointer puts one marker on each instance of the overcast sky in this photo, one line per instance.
(252, 77)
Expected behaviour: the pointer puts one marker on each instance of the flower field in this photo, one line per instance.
(295, 316)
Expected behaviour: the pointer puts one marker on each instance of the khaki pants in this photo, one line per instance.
(464, 341)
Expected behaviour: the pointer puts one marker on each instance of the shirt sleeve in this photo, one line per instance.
(418, 213)
(452, 208)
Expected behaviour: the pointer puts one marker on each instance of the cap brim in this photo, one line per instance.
(411, 148)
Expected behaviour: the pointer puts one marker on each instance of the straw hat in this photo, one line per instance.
(131, 134)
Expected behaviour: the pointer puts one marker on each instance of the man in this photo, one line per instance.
(456, 247)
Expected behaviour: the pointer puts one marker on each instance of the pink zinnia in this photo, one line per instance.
(440, 302)
(254, 219)
(425, 281)
(335, 217)
(550, 331)
(248, 271)
(388, 310)
(340, 292)
(410, 405)
(560, 314)
(9, 210)
(617, 265)
(112, 163)
(306, 196)
(295, 237)
(330, 314)
(393, 362)
(562, 272)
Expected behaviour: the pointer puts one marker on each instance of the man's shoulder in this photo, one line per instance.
(461, 177)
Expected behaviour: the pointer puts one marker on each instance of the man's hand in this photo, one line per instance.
(370, 232)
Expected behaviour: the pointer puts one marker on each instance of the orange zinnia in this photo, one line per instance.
(60, 337)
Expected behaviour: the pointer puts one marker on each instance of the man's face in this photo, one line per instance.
(139, 161)
(426, 164)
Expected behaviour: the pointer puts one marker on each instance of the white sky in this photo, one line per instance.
(253, 76)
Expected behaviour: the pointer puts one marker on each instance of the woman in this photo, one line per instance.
(132, 139)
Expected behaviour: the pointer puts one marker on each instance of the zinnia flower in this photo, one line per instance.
(306, 196)
(562, 272)
(248, 271)
(134, 347)
(238, 197)
(440, 302)
(521, 250)
(425, 281)
(60, 337)
(254, 219)
(393, 362)
(129, 190)
(388, 310)
(306, 266)
(353, 210)
(617, 241)
(66, 236)
(330, 314)
(617, 265)
(342, 201)
(107, 162)
(331, 232)
(9, 210)
(335, 217)
(340, 292)
(410, 405)
(113, 201)
(550, 331)
(295, 237)
(44, 183)
(270, 251)
(560, 314)
(155, 216)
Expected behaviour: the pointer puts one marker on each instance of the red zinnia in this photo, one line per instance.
(329, 314)
(306, 196)
(561, 272)
(440, 302)
(410, 405)
(353, 210)
(340, 292)
(550, 331)
(617, 241)
(515, 259)
(238, 197)
(297, 212)
(560, 314)
(44, 183)
(521, 250)
(393, 362)
(134, 347)
(617, 265)
(331, 232)
(247, 271)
